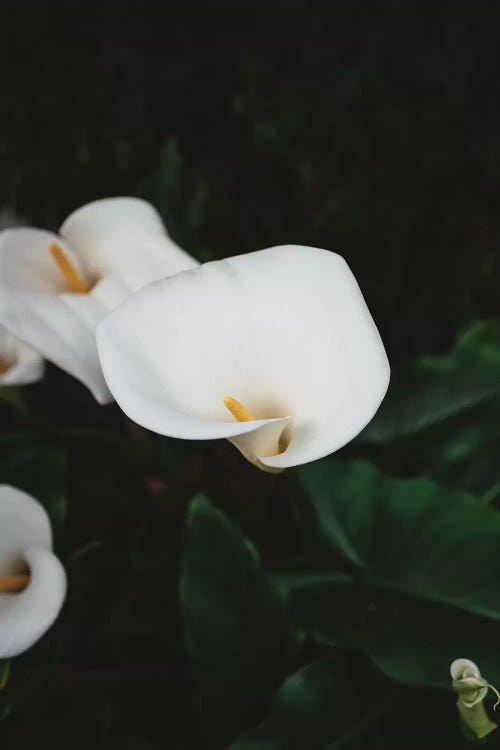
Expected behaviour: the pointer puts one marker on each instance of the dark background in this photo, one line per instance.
(368, 128)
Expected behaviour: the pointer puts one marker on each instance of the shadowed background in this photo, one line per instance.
(367, 128)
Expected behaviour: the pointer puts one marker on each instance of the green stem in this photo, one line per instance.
(4, 672)
(476, 720)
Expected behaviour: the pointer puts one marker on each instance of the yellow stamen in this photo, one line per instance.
(3, 366)
(10, 584)
(73, 278)
(238, 410)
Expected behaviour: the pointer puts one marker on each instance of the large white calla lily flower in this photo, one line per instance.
(19, 365)
(55, 289)
(274, 350)
(32, 580)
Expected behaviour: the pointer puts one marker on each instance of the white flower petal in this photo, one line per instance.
(24, 365)
(117, 245)
(34, 306)
(26, 616)
(285, 331)
(468, 682)
(459, 666)
(26, 543)
(23, 523)
(26, 263)
(262, 442)
(124, 237)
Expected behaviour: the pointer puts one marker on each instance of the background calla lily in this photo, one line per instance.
(275, 350)
(472, 689)
(468, 682)
(32, 580)
(55, 289)
(19, 365)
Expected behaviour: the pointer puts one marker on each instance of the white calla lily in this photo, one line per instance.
(472, 689)
(19, 365)
(274, 350)
(55, 289)
(32, 580)
(468, 681)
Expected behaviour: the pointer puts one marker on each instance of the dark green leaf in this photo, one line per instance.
(410, 640)
(412, 536)
(322, 707)
(435, 389)
(237, 631)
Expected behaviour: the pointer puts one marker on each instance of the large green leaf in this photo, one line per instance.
(317, 707)
(237, 631)
(412, 536)
(436, 389)
(424, 567)
(441, 416)
(409, 639)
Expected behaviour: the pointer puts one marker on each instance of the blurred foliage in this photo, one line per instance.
(210, 605)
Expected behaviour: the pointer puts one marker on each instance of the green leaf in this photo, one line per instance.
(441, 415)
(322, 707)
(411, 536)
(466, 455)
(424, 562)
(436, 389)
(408, 639)
(237, 631)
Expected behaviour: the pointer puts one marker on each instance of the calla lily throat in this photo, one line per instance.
(241, 414)
(12, 584)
